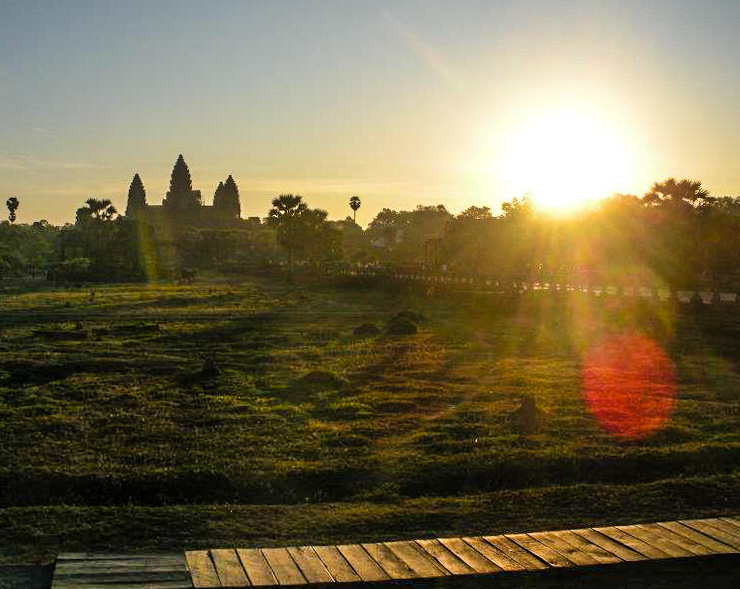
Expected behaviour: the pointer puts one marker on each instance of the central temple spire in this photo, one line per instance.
(181, 196)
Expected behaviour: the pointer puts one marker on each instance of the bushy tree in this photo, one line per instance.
(303, 233)
(402, 236)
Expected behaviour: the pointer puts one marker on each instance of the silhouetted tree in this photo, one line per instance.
(304, 233)
(354, 204)
(136, 197)
(283, 216)
(682, 192)
(96, 209)
(12, 204)
(468, 239)
(385, 229)
(518, 209)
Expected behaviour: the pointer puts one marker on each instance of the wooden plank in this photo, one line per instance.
(561, 546)
(516, 553)
(256, 566)
(229, 568)
(417, 559)
(118, 556)
(363, 564)
(599, 554)
(285, 569)
(656, 540)
(725, 527)
(683, 542)
(733, 521)
(682, 530)
(445, 557)
(602, 541)
(391, 564)
(75, 584)
(716, 533)
(71, 567)
(632, 542)
(493, 554)
(140, 578)
(471, 557)
(336, 564)
(543, 552)
(201, 569)
(310, 564)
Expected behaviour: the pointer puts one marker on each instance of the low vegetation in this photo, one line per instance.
(222, 413)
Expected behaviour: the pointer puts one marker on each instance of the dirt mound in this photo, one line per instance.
(135, 328)
(366, 330)
(322, 380)
(402, 326)
(412, 316)
(59, 335)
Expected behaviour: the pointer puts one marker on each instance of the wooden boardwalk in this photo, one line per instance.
(383, 562)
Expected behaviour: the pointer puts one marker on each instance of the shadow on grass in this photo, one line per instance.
(26, 577)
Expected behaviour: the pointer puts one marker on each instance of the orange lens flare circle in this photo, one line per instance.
(629, 385)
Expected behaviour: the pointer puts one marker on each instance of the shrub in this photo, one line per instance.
(367, 330)
(412, 316)
(321, 380)
(402, 326)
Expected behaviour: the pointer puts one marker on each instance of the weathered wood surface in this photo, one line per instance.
(121, 571)
(379, 562)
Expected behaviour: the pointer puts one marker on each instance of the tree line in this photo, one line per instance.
(677, 233)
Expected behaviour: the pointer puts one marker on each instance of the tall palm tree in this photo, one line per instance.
(354, 204)
(12, 204)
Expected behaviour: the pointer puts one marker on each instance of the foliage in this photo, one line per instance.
(403, 236)
(12, 204)
(26, 250)
(303, 233)
(681, 193)
(354, 204)
(96, 210)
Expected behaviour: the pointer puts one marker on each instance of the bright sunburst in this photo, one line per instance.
(567, 159)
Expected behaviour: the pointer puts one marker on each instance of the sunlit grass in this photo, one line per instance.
(125, 417)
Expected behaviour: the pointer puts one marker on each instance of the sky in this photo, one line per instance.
(401, 102)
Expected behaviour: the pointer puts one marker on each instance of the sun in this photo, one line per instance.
(567, 159)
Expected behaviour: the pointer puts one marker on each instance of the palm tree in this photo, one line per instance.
(284, 216)
(354, 204)
(681, 192)
(98, 209)
(12, 204)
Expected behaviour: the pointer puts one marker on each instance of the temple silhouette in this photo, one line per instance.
(184, 205)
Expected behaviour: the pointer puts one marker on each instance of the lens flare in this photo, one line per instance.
(629, 385)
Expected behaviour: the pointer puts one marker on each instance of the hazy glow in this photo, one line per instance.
(629, 385)
(566, 159)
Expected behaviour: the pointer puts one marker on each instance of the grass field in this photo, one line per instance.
(114, 438)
